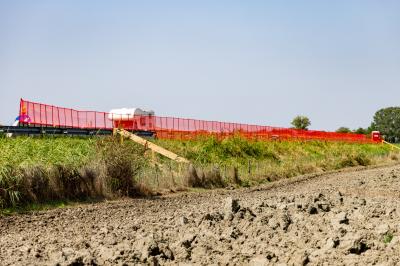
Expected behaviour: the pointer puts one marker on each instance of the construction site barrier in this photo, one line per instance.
(37, 114)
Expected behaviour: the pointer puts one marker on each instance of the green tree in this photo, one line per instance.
(387, 121)
(301, 122)
(361, 130)
(343, 130)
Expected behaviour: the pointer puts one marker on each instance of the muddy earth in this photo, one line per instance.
(345, 218)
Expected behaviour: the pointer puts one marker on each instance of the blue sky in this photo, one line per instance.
(259, 62)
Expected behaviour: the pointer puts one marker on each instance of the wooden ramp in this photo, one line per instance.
(391, 145)
(151, 146)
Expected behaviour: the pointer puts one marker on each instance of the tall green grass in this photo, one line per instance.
(260, 161)
(54, 168)
(63, 168)
(27, 151)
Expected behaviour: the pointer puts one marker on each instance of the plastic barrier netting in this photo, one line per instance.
(169, 127)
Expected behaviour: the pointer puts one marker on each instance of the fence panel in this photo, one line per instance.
(171, 127)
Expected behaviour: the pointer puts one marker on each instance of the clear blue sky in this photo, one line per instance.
(260, 62)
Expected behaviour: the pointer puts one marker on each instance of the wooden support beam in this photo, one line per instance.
(391, 145)
(151, 146)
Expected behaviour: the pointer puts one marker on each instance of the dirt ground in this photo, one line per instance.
(345, 218)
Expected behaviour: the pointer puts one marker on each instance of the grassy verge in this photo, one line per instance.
(257, 162)
(37, 172)
(33, 206)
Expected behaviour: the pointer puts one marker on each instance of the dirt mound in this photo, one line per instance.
(341, 219)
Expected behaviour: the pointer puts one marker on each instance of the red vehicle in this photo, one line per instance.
(376, 136)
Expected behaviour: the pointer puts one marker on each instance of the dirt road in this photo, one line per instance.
(334, 219)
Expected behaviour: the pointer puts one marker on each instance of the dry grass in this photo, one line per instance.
(107, 171)
(204, 178)
(245, 162)
(50, 169)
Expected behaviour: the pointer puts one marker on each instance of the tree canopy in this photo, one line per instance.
(343, 130)
(361, 130)
(387, 121)
(301, 122)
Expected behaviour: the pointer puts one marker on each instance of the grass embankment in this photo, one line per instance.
(51, 169)
(257, 161)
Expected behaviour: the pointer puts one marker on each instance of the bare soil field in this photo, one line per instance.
(343, 218)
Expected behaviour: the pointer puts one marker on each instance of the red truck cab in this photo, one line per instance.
(376, 136)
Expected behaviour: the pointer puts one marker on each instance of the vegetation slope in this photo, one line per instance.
(63, 168)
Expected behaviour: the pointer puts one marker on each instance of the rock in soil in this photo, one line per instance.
(347, 218)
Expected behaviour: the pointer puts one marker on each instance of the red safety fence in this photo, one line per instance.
(168, 127)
